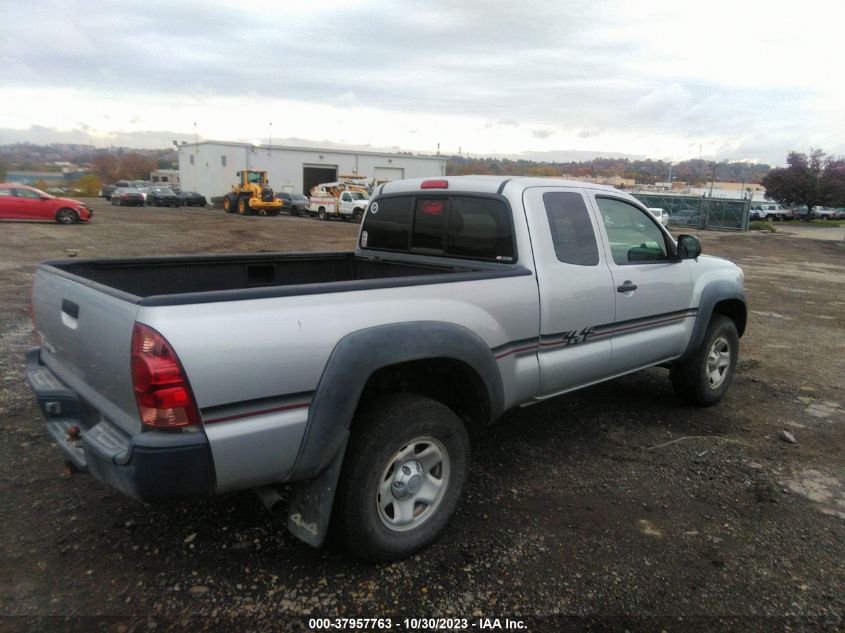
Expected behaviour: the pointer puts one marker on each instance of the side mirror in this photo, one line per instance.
(689, 247)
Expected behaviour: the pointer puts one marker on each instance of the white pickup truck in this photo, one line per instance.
(350, 205)
(354, 376)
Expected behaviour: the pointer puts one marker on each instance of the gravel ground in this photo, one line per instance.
(616, 507)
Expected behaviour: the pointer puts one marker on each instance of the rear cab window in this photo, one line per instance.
(459, 226)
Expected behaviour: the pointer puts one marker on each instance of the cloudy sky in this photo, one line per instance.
(744, 80)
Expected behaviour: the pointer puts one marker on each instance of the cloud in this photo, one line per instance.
(505, 71)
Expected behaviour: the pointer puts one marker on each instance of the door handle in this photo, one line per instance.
(627, 286)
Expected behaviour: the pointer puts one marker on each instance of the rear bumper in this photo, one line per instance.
(146, 466)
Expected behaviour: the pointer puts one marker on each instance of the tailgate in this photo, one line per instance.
(86, 336)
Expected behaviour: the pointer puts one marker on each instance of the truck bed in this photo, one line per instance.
(196, 279)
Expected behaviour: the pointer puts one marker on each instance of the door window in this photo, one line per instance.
(633, 234)
(26, 193)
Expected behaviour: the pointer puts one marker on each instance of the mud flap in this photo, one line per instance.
(310, 503)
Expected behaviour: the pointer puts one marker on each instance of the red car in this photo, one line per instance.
(19, 202)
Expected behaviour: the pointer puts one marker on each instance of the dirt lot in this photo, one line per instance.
(616, 501)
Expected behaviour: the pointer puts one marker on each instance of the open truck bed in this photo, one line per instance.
(211, 278)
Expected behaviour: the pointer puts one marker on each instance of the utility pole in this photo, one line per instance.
(701, 188)
(712, 178)
(271, 138)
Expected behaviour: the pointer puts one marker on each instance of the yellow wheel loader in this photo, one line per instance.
(252, 195)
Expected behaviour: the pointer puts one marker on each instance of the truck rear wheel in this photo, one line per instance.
(357, 215)
(705, 378)
(403, 475)
(230, 203)
(322, 214)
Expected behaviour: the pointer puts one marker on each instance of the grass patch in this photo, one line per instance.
(759, 225)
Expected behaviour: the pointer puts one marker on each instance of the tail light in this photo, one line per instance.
(161, 389)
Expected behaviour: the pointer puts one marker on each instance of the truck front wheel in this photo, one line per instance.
(403, 475)
(230, 203)
(705, 378)
(322, 214)
(243, 206)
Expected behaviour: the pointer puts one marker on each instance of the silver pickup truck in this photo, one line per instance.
(354, 376)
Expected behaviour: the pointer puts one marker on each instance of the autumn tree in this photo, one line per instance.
(814, 180)
(105, 166)
(135, 166)
(89, 186)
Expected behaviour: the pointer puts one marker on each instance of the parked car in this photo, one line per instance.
(354, 376)
(191, 199)
(687, 217)
(768, 211)
(294, 203)
(20, 202)
(162, 197)
(661, 215)
(826, 213)
(128, 197)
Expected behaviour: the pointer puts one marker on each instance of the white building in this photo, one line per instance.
(210, 167)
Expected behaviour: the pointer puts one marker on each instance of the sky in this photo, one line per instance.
(727, 79)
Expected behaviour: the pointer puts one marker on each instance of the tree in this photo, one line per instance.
(833, 183)
(89, 186)
(105, 166)
(134, 166)
(814, 180)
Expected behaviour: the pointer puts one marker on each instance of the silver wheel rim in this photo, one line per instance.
(413, 484)
(65, 216)
(718, 362)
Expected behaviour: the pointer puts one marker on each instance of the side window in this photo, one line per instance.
(191, 157)
(633, 234)
(5, 193)
(572, 232)
(223, 160)
(26, 193)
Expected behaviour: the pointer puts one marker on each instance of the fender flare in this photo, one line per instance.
(713, 293)
(358, 355)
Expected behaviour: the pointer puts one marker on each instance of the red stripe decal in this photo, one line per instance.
(514, 351)
(252, 414)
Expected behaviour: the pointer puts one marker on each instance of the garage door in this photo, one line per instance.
(317, 174)
(389, 173)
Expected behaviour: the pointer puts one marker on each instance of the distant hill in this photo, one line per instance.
(644, 171)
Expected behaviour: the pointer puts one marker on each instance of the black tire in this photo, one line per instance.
(358, 215)
(67, 216)
(294, 212)
(230, 203)
(272, 212)
(693, 380)
(380, 433)
(243, 206)
(322, 214)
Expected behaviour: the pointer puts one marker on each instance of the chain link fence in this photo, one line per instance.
(720, 214)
